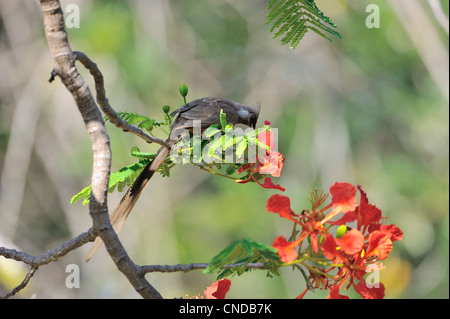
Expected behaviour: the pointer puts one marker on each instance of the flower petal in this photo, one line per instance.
(245, 167)
(272, 163)
(218, 289)
(370, 293)
(281, 205)
(367, 213)
(286, 250)
(270, 185)
(329, 247)
(334, 293)
(343, 197)
(393, 232)
(352, 242)
(379, 245)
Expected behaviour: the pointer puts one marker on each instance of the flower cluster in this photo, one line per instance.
(346, 256)
(270, 163)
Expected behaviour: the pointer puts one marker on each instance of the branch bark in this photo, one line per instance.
(196, 266)
(65, 68)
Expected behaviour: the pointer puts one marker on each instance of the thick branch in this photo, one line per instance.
(98, 209)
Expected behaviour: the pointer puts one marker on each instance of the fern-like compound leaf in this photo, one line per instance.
(292, 19)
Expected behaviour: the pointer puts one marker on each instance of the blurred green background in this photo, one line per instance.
(369, 109)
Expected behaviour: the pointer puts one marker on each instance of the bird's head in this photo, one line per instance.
(253, 114)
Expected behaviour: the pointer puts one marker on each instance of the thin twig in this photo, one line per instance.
(51, 255)
(22, 285)
(103, 101)
(36, 261)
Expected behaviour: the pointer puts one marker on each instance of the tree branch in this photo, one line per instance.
(195, 266)
(98, 209)
(22, 285)
(439, 14)
(51, 255)
(104, 103)
(36, 261)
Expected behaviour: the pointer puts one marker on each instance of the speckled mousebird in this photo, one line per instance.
(207, 111)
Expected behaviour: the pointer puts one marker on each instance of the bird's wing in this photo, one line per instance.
(188, 106)
(206, 109)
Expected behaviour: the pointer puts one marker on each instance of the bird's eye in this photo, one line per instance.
(252, 116)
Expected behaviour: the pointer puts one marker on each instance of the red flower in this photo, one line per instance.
(270, 163)
(355, 257)
(353, 253)
(308, 220)
(218, 289)
(267, 137)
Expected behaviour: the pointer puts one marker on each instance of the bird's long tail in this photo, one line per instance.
(130, 198)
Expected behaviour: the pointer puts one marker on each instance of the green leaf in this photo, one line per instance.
(212, 130)
(121, 178)
(223, 119)
(85, 193)
(215, 145)
(242, 252)
(142, 121)
(241, 145)
(141, 155)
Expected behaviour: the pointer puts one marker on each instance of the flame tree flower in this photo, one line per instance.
(346, 255)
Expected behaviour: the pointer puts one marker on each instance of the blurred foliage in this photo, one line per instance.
(366, 109)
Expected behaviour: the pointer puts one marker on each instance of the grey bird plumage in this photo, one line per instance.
(207, 110)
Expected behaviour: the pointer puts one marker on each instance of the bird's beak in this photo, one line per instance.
(256, 111)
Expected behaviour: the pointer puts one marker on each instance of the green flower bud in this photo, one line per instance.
(341, 231)
(230, 170)
(183, 90)
(166, 109)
